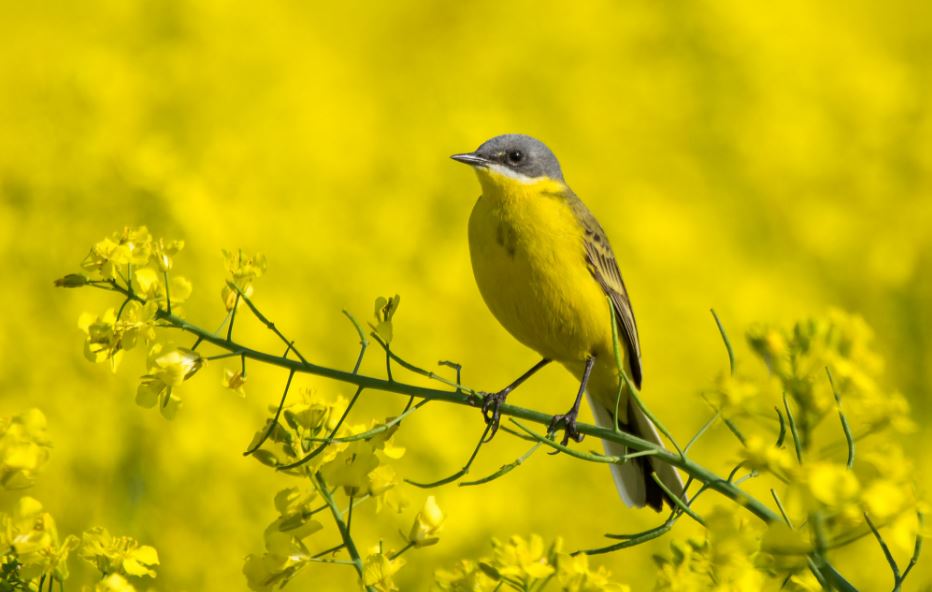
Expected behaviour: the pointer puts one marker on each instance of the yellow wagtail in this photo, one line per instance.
(546, 271)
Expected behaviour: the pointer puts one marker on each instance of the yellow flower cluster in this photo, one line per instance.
(798, 359)
(137, 266)
(118, 555)
(109, 335)
(523, 564)
(837, 483)
(349, 458)
(286, 552)
(30, 544)
(31, 551)
(380, 567)
(725, 560)
(135, 258)
(244, 269)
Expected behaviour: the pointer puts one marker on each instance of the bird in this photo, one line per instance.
(546, 271)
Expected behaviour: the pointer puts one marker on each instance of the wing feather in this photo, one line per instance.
(604, 268)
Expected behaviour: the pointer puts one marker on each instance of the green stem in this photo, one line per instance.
(400, 552)
(849, 439)
(168, 294)
(341, 526)
(264, 320)
(730, 350)
(460, 473)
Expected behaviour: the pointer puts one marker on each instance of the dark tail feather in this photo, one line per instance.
(641, 426)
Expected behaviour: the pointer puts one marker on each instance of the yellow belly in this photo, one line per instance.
(528, 258)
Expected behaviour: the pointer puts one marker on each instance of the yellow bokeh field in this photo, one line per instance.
(768, 161)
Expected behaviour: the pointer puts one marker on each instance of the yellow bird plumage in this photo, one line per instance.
(547, 272)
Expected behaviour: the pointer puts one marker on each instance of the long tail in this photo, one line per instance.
(632, 479)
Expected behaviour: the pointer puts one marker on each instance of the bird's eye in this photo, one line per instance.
(515, 156)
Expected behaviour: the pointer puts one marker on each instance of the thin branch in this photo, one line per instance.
(274, 421)
(701, 431)
(341, 526)
(363, 342)
(886, 550)
(782, 435)
(330, 438)
(731, 352)
(418, 370)
(796, 443)
(232, 317)
(460, 473)
(734, 430)
(505, 469)
(844, 421)
(917, 549)
(676, 499)
(776, 499)
(264, 320)
(634, 540)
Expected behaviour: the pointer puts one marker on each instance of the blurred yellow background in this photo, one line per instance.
(768, 161)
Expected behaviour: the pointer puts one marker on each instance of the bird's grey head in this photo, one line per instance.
(521, 155)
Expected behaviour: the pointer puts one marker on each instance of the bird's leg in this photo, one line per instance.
(492, 402)
(568, 419)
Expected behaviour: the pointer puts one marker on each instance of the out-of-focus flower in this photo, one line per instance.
(803, 582)
(382, 482)
(741, 396)
(350, 468)
(829, 485)
(354, 467)
(30, 535)
(123, 555)
(102, 343)
(244, 270)
(268, 572)
(524, 564)
(576, 575)
(843, 344)
(379, 571)
(132, 246)
(307, 421)
(165, 252)
(149, 284)
(109, 336)
(114, 582)
(522, 560)
(760, 455)
(235, 381)
(294, 523)
(385, 309)
(427, 524)
(725, 561)
(168, 366)
(685, 569)
(24, 448)
(465, 576)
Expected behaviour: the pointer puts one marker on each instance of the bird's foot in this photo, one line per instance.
(568, 422)
(492, 411)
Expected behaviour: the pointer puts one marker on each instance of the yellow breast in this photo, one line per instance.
(528, 256)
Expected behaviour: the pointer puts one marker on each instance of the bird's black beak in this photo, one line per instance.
(472, 159)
